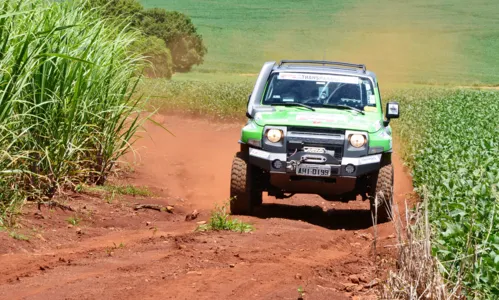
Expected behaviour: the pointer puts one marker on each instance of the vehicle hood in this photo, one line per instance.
(324, 118)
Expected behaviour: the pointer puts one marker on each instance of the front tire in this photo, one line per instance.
(244, 191)
(381, 198)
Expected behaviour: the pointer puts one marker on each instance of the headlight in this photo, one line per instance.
(274, 135)
(357, 140)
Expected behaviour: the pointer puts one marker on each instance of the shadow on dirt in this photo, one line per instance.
(355, 219)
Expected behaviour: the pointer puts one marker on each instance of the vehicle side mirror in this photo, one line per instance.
(392, 112)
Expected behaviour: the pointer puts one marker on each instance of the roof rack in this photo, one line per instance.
(324, 62)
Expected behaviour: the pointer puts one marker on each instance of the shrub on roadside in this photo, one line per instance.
(220, 219)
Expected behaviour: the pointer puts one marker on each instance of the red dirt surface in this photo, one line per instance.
(328, 249)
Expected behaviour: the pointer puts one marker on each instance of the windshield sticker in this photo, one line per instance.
(319, 77)
(370, 108)
(320, 82)
(276, 97)
(288, 99)
(372, 99)
(319, 118)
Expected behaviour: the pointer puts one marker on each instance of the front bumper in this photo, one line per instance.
(266, 161)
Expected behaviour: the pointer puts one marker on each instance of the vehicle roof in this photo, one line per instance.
(324, 69)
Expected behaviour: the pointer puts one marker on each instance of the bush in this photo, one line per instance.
(66, 112)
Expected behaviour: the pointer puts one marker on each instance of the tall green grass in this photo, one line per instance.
(66, 112)
(451, 141)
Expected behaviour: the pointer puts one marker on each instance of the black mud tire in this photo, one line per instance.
(244, 191)
(381, 199)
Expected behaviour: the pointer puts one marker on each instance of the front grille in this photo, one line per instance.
(315, 130)
(328, 138)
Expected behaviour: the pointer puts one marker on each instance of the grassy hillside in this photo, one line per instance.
(444, 41)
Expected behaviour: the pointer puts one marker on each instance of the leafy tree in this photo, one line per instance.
(157, 55)
(179, 34)
(182, 46)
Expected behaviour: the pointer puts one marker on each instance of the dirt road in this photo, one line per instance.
(114, 252)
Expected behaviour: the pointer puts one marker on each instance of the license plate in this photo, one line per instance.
(313, 170)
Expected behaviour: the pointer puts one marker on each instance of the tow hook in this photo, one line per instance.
(291, 166)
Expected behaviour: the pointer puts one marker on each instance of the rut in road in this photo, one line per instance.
(326, 248)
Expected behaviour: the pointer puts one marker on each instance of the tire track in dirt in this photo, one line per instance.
(324, 247)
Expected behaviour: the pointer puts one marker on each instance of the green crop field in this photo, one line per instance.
(451, 141)
(441, 41)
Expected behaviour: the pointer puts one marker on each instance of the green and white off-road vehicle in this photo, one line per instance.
(315, 127)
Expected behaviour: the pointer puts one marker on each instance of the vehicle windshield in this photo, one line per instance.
(320, 90)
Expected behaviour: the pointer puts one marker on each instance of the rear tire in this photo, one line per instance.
(244, 191)
(381, 198)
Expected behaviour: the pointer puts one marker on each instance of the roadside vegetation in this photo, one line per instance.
(450, 139)
(66, 112)
(221, 219)
(129, 190)
(221, 100)
(68, 108)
